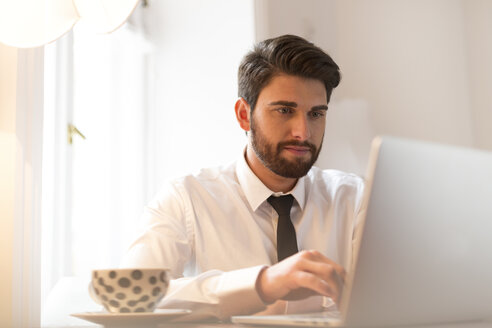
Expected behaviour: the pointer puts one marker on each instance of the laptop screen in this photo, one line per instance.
(425, 247)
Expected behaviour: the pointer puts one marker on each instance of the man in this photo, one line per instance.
(231, 235)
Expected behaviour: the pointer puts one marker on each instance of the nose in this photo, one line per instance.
(300, 128)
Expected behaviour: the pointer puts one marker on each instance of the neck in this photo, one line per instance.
(270, 179)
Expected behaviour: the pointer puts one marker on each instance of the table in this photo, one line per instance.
(231, 325)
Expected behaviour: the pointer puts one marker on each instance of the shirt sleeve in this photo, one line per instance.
(216, 294)
(166, 241)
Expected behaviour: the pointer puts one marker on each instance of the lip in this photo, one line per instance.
(297, 150)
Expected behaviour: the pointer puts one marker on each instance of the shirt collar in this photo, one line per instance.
(256, 192)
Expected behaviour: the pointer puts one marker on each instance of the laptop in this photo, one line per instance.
(425, 252)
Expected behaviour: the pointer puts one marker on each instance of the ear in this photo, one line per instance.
(243, 114)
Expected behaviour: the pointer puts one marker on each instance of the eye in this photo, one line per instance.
(317, 114)
(284, 110)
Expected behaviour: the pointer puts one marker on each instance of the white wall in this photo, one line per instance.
(416, 69)
(8, 78)
(199, 45)
(407, 59)
(478, 42)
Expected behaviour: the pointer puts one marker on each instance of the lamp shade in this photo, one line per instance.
(33, 23)
(104, 16)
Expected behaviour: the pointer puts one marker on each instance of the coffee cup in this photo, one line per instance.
(129, 290)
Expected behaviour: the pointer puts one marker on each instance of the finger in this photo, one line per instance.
(324, 272)
(316, 256)
(299, 294)
(340, 269)
(310, 281)
(276, 308)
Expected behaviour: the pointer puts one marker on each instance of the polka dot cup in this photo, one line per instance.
(129, 290)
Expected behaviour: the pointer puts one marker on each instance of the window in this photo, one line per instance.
(94, 153)
(155, 99)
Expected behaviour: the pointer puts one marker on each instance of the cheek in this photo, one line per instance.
(275, 129)
(318, 130)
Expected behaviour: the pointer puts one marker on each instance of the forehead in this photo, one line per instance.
(304, 91)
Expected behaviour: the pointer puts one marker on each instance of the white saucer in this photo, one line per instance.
(138, 319)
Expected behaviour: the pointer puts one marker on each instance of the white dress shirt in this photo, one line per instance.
(215, 231)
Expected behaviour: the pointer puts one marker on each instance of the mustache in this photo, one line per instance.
(283, 144)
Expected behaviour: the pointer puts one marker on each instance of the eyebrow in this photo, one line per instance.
(283, 103)
(320, 107)
(293, 104)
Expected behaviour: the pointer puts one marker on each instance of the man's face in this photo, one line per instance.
(288, 124)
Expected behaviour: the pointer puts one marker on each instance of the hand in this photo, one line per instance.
(299, 276)
(275, 308)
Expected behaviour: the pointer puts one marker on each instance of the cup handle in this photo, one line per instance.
(92, 294)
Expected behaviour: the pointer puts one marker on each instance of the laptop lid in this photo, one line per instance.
(425, 253)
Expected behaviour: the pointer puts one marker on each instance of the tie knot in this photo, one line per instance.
(281, 204)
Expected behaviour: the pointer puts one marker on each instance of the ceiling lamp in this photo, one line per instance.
(33, 23)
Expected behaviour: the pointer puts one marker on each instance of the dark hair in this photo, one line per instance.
(288, 54)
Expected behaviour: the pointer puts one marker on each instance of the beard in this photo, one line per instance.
(270, 154)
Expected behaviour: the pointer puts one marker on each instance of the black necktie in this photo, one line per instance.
(286, 234)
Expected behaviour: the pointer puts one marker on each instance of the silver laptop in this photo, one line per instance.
(425, 254)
